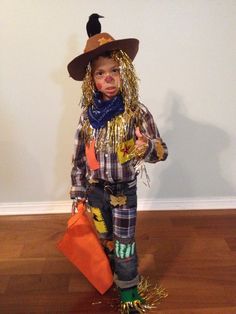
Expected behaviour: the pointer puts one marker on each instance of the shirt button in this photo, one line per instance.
(106, 155)
(106, 172)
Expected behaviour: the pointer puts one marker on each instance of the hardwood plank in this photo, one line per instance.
(58, 265)
(78, 283)
(191, 253)
(231, 242)
(59, 303)
(222, 310)
(19, 266)
(10, 249)
(33, 284)
(4, 280)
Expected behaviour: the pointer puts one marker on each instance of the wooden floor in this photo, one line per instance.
(191, 253)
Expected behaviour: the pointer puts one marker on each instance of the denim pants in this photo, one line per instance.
(114, 210)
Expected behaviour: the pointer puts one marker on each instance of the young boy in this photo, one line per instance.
(115, 136)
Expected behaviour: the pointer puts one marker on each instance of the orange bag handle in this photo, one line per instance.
(73, 219)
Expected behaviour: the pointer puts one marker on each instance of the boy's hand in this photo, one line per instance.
(75, 205)
(141, 143)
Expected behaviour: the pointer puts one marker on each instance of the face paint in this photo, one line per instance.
(99, 86)
(106, 77)
(127, 81)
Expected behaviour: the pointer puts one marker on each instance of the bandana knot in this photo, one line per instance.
(102, 111)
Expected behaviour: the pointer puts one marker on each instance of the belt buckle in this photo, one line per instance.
(92, 181)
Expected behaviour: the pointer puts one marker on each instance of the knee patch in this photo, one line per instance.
(98, 220)
(124, 222)
(124, 250)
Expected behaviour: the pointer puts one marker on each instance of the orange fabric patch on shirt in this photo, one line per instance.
(90, 156)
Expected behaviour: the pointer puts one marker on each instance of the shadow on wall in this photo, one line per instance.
(67, 125)
(194, 168)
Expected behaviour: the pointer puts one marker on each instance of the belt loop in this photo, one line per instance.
(108, 189)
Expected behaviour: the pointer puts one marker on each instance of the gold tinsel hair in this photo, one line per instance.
(129, 82)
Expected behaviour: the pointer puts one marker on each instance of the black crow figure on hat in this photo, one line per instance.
(93, 26)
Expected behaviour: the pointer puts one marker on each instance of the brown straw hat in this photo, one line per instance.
(95, 46)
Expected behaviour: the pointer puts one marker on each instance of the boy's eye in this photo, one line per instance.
(99, 73)
(116, 70)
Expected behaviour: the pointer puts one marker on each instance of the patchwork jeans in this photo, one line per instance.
(114, 209)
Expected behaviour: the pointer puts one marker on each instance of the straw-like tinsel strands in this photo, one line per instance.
(151, 295)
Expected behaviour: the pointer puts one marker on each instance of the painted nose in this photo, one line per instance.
(108, 79)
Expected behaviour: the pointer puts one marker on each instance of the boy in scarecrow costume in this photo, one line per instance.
(116, 134)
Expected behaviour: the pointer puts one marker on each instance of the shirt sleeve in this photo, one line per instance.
(78, 172)
(157, 149)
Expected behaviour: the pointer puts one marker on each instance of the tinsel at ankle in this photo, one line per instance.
(152, 295)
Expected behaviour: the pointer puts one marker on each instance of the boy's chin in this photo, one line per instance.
(110, 95)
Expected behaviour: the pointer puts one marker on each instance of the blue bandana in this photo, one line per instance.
(104, 110)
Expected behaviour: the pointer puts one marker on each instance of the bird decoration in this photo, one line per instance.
(93, 26)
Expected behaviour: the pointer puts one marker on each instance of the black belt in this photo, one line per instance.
(114, 187)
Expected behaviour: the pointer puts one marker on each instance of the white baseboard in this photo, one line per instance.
(58, 207)
(188, 203)
(31, 208)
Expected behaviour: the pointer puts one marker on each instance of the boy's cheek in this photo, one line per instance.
(98, 86)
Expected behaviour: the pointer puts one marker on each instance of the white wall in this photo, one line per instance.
(186, 64)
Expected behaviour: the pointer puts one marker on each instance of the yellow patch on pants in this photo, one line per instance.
(118, 200)
(98, 220)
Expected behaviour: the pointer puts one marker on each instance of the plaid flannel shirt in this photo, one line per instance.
(110, 169)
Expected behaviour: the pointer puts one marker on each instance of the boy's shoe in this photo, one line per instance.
(141, 298)
(131, 301)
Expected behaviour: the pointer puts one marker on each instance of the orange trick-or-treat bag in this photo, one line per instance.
(81, 245)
